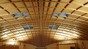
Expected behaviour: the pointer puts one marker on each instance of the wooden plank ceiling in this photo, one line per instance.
(71, 17)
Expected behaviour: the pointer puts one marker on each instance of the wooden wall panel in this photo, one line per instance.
(9, 47)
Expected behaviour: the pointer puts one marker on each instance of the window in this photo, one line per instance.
(16, 14)
(64, 14)
(28, 27)
(56, 14)
(53, 26)
(25, 14)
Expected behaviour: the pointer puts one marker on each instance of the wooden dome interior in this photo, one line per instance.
(43, 22)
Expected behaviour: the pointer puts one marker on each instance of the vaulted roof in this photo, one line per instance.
(42, 22)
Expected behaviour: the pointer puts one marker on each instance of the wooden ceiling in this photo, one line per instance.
(40, 16)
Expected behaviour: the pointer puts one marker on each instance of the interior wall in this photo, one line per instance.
(26, 46)
(51, 46)
(1, 43)
(82, 44)
(20, 46)
(9, 47)
(66, 46)
(4, 46)
(61, 46)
